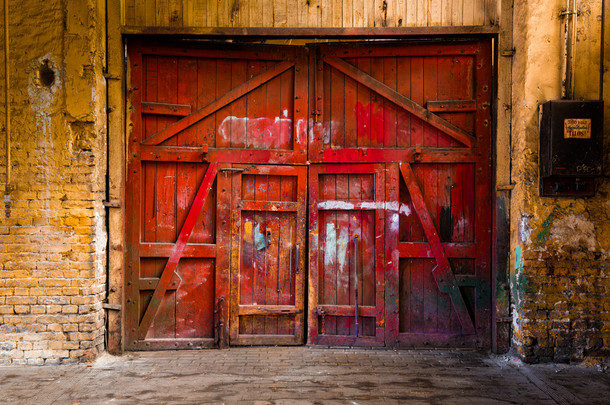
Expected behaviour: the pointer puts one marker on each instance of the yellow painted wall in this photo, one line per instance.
(52, 236)
(561, 246)
(307, 13)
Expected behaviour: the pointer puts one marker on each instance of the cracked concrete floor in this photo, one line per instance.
(305, 375)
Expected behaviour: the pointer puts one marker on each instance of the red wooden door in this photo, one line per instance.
(346, 280)
(422, 111)
(268, 260)
(195, 110)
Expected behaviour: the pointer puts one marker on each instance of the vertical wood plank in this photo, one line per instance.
(457, 12)
(364, 106)
(130, 11)
(255, 107)
(337, 105)
(479, 13)
(421, 18)
(272, 252)
(345, 294)
(176, 13)
(348, 13)
(358, 13)
(238, 124)
(446, 12)
(328, 251)
(403, 86)
(351, 107)
(389, 108)
(336, 19)
(162, 13)
(435, 12)
(401, 13)
(292, 13)
(377, 111)
(468, 12)
(326, 13)
(280, 13)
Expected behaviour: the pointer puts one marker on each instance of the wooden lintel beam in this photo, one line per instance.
(312, 32)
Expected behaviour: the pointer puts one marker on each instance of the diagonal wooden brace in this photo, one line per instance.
(443, 275)
(177, 251)
(217, 104)
(404, 102)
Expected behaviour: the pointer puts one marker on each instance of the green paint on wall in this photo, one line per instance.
(545, 232)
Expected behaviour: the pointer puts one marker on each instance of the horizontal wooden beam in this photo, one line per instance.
(441, 106)
(268, 310)
(373, 32)
(453, 250)
(410, 155)
(173, 153)
(191, 251)
(347, 310)
(180, 110)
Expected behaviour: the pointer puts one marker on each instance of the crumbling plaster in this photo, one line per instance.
(560, 246)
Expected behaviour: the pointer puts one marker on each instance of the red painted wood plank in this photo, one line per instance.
(287, 85)
(443, 106)
(377, 106)
(220, 102)
(256, 109)
(327, 284)
(173, 260)
(206, 94)
(191, 250)
(351, 116)
(390, 123)
(337, 103)
(273, 252)
(173, 153)
(442, 272)
(187, 95)
(363, 106)
(223, 87)
(402, 101)
(239, 69)
(154, 108)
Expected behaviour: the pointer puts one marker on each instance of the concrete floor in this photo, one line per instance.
(303, 375)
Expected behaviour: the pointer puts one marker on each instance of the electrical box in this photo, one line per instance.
(571, 139)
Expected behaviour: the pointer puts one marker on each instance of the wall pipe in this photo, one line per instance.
(7, 111)
(601, 52)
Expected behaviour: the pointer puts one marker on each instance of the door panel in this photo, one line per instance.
(267, 292)
(346, 255)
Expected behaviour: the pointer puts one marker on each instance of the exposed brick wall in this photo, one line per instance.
(52, 234)
(564, 307)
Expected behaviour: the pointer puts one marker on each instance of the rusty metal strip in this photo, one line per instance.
(400, 100)
(174, 258)
(217, 104)
(443, 275)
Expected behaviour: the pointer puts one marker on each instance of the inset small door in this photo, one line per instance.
(268, 255)
(346, 280)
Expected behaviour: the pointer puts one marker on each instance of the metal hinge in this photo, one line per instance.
(112, 204)
(508, 53)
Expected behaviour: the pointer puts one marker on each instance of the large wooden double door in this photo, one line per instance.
(336, 194)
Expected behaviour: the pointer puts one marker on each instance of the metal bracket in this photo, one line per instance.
(112, 307)
(112, 204)
(508, 53)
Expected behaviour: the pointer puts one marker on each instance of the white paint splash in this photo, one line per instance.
(274, 130)
(330, 244)
(395, 206)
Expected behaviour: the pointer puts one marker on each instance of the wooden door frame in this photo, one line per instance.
(119, 124)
